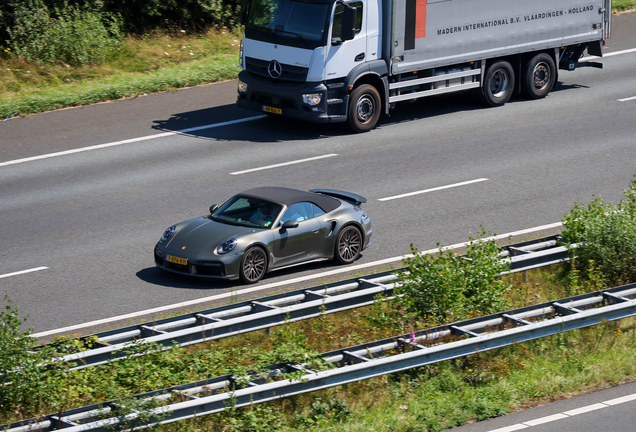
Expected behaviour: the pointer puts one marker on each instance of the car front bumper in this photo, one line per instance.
(220, 267)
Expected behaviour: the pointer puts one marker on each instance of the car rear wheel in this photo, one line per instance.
(253, 265)
(348, 245)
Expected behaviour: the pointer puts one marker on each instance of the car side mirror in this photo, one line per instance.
(213, 208)
(287, 225)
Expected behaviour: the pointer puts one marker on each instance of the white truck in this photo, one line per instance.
(333, 61)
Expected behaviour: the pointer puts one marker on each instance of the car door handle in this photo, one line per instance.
(359, 57)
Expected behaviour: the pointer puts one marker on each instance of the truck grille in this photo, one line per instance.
(295, 74)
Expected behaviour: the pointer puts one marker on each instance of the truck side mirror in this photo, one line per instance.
(243, 16)
(349, 23)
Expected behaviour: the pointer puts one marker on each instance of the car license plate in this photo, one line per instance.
(176, 260)
(272, 110)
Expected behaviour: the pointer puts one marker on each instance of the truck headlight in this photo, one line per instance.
(312, 99)
(242, 87)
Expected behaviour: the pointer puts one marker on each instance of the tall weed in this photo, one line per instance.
(29, 380)
(606, 235)
(447, 287)
(70, 34)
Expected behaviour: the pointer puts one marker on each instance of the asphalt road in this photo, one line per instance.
(92, 217)
(610, 409)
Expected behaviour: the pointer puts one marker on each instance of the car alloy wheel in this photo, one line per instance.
(253, 265)
(348, 245)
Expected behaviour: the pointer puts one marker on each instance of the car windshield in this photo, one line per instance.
(294, 23)
(248, 212)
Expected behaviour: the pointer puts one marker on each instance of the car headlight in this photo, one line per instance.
(312, 99)
(242, 87)
(166, 235)
(226, 246)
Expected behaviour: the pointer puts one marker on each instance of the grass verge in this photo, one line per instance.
(619, 6)
(157, 62)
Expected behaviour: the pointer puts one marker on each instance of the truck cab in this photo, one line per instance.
(299, 58)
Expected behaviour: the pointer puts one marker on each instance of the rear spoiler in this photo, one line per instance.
(347, 196)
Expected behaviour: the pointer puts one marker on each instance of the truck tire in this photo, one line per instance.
(364, 108)
(539, 74)
(499, 83)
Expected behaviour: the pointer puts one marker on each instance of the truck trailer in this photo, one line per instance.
(330, 61)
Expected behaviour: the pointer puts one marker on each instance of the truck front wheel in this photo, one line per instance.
(539, 75)
(364, 108)
(499, 83)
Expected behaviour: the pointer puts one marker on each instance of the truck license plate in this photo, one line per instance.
(176, 260)
(272, 110)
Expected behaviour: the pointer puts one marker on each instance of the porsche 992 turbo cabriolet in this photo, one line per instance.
(265, 229)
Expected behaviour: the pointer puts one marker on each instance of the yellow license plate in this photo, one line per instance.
(176, 260)
(272, 110)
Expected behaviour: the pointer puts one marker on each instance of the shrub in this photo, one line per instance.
(446, 286)
(137, 16)
(70, 34)
(28, 382)
(606, 234)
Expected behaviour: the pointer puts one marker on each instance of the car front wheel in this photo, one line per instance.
(348, 245)
(253, 265)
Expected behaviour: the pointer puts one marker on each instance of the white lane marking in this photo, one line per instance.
(278, 284)
(433, 189)
(128, 141)
(621, 400)
(611, 54)
(510, 428)
(547, 419)
(22, 272)
(585, 409)
(284, 164)
(627, 99)
(566, 414)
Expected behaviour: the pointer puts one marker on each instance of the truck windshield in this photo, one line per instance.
(288, 22)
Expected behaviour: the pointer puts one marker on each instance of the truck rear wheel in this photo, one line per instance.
(499, 83)
(364, 108)
(539, 75)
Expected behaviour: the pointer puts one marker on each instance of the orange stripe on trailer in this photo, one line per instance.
(420, 19)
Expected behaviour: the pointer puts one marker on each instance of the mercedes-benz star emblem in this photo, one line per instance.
(274, 69)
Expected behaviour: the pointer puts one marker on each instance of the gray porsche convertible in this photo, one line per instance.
(265, 229)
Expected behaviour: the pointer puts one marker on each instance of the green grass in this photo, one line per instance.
(623, 5)
(154, 63)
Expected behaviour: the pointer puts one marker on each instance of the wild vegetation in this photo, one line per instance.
(430, 398)
(62, 53)
(607, 232)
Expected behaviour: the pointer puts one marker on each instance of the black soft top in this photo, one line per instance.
(289, 196)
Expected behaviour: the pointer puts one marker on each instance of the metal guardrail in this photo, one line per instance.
(275, 310)
(360, 362)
